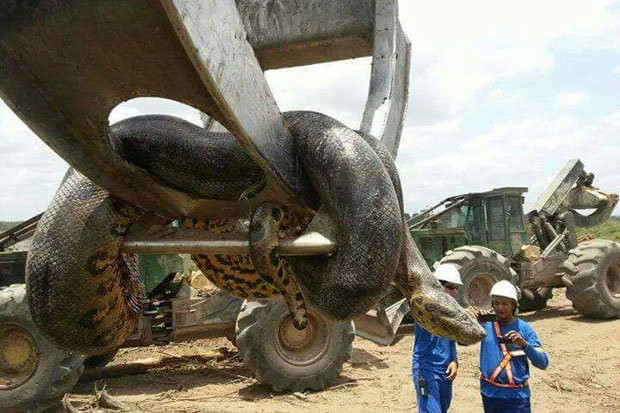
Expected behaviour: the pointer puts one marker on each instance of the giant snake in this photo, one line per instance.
(85, 295)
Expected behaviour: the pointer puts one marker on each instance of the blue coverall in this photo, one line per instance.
(507, 400)
(431, 356)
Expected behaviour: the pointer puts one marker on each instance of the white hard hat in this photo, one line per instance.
(504, 289)
(448, 273)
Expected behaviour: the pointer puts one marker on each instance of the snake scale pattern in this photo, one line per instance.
(85, 294)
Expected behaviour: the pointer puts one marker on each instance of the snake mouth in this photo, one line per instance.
(18, 356)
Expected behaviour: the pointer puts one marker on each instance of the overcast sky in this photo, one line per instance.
(501, 94)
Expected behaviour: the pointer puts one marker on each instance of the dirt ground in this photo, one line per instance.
(584, 372)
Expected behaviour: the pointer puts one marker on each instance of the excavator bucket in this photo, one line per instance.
(65, 65)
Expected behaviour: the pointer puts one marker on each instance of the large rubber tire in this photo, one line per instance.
(266, 340)
(49, 372)
(593, 269)
(541, 296)
(480, 268)
(99, 360)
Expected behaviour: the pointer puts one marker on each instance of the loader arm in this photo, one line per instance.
(65, 65)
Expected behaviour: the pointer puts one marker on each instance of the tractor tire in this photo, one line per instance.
(34, 375)
(593, 272)
(99, 360)
(286, 359)
(480, 268)
(541, 296)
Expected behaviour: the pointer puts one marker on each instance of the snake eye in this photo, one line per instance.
(276, 213)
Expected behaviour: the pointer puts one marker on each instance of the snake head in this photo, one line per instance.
(435, 310)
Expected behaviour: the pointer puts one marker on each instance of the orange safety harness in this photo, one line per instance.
(504, 364)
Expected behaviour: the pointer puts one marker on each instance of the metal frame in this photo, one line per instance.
(19, 232)
(553, 196)
(209, 55)
(214, 37)
(384, 113)
(197, 241)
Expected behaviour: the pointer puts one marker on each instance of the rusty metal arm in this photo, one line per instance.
(215, 39)
(385, 109)
(287, 33)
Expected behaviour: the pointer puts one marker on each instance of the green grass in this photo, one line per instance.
(609, 230)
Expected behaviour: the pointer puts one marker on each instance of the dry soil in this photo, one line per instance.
(584, 374)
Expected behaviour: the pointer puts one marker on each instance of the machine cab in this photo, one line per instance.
(505, 227)
(492, 219)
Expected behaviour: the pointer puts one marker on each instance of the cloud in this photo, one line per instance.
(338, 89)
(496, 93)
(617, 70)
(463, 47)
(571, 99)
(526, 152)
(30, 170)
(415, 138)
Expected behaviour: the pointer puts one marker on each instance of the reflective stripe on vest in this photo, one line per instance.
(503, 364)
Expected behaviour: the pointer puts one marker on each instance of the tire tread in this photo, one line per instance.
(583, 267)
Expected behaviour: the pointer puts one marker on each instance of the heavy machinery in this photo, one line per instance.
(76, 61)
(177, 308)
(33, 371)
(487, 236)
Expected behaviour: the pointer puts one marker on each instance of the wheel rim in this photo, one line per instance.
(479, 290)
(302, 348)
(612, 280)
(18, 356)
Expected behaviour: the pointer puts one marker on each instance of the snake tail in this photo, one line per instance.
(264, 236)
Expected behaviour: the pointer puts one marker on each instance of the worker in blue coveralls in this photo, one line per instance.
(504, 353)
(434, 361)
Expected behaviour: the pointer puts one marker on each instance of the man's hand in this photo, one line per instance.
(479, 313)
(516, 338)
(451, 370)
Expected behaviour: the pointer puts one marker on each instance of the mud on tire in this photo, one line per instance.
(593, 269)
(285, 359)
(480, 268)
(34, 374)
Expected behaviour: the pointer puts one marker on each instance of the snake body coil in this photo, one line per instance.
(85, 295)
